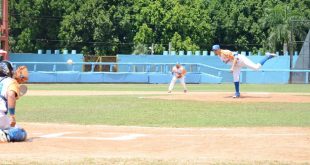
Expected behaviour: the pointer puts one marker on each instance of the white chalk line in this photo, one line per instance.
(119, 138)
(129, 136)
(55, 135)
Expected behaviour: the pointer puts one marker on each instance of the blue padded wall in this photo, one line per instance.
(281, 62)
(28, 57)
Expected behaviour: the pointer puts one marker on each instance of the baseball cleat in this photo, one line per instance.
(271, 54)
(185, 91)
(169, 91)
(3, 137)
(237, 95)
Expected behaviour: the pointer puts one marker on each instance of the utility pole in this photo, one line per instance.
(291, 53)
(169, 49)
(152, 49)
(5, 29)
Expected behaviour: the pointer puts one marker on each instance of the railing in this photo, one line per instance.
(131, 67)
(151, 67)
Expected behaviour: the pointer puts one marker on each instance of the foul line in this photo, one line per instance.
(55, 135)
(129, 136)
(118, 138)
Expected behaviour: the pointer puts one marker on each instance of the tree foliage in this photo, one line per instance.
(108, 27)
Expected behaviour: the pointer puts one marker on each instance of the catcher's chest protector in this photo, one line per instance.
(4, 84)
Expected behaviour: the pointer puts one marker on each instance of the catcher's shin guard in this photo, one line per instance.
(17, 134)
(13, 135)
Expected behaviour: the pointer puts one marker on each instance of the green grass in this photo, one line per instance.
(298, 88)
(130, 110)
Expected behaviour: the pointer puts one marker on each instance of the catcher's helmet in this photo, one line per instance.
(6, 69)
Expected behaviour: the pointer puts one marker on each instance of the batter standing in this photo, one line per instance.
(237, 62)
(178, 72)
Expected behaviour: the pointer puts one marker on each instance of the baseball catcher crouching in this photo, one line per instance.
(10, 91)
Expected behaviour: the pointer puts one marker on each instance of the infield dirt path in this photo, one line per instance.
(197, 96)
(61, 142)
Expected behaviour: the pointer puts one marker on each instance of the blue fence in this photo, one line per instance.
(211, 53)
(49, 58)
(149, 73)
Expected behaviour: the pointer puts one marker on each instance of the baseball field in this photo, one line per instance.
(143, 124)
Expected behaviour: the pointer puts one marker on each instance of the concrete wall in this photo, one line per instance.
(24, 57)
(99, 77)
(132, 73)
(281, 62)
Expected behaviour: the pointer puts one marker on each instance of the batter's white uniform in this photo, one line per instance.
(6, 84)
(176, 72)
(242, 61)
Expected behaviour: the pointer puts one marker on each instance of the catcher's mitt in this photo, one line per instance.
(21, 74)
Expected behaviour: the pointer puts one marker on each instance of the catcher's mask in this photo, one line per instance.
(6, 69)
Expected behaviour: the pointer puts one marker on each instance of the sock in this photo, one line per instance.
(237, 87)
(268, 57)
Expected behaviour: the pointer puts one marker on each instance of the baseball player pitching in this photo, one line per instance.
(178, 72)
(10, 92)
(237, 62)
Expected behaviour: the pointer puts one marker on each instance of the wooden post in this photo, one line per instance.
(5, 29)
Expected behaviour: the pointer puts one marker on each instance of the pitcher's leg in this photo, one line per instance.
(267, 57)
(182, 81)
(248, 63)
(236, 75)
(173, 80)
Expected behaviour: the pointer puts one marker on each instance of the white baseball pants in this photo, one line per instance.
(174, 80)
(243, 61)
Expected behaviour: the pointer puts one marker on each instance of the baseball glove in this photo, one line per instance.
(179, 76)
(21, 74)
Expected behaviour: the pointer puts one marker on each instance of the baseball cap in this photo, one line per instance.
(215, 47)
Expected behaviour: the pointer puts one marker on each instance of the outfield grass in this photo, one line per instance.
(298, 88)
(130, 110)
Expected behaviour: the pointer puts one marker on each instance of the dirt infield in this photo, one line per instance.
(63, 142)
(245, 97)
(197, 96)
(58, 143)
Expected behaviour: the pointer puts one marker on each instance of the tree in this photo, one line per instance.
(144, 35)
(278, 23)
(108, 27)
(179, 44)
(140, 49)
